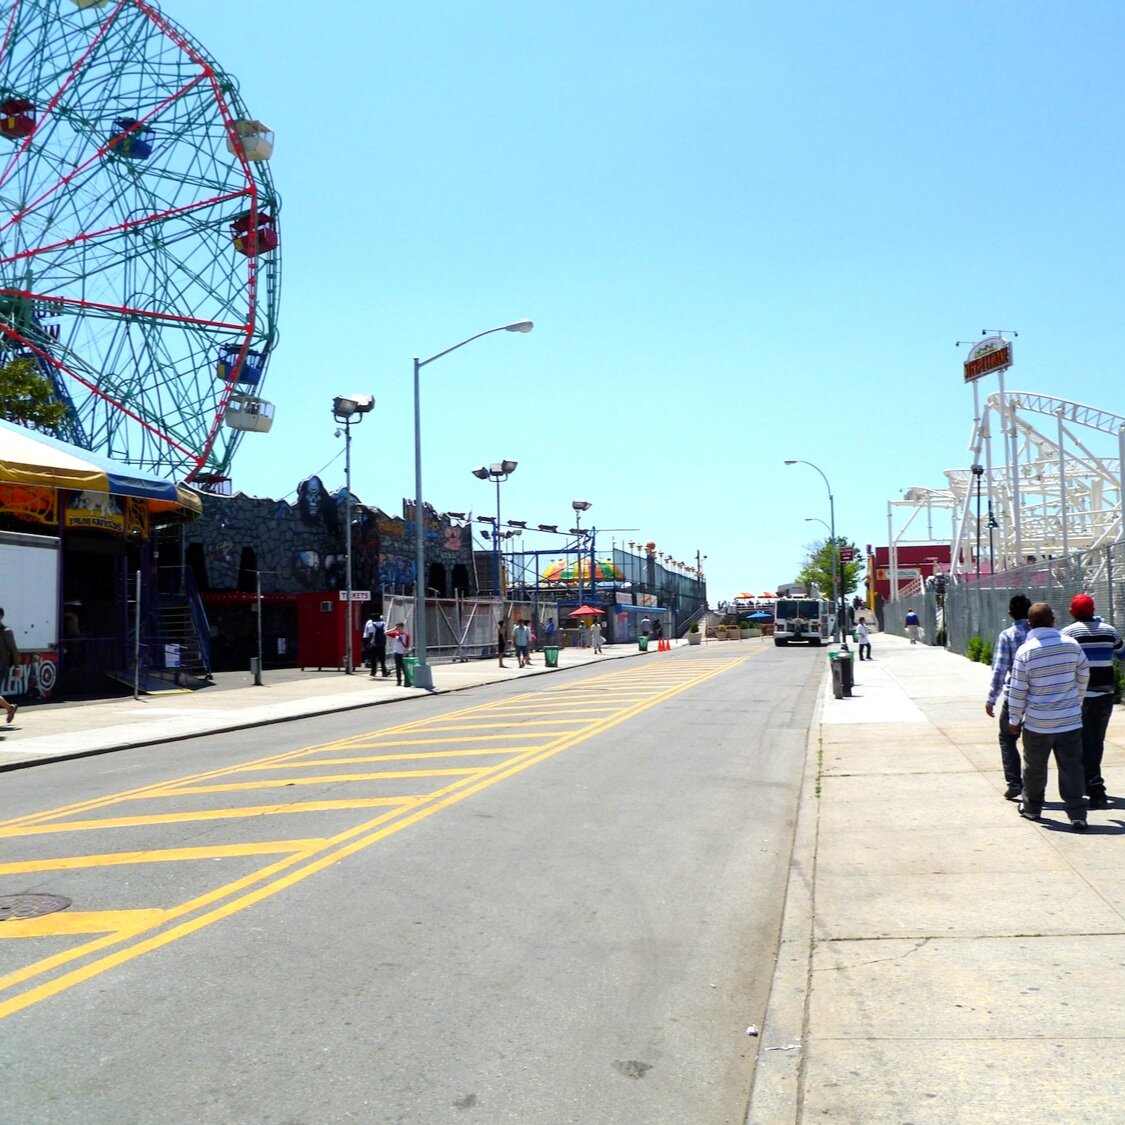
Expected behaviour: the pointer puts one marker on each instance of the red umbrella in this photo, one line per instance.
(586, 611)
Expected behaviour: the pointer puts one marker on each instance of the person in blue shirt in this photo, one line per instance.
(912, 624)
(1007, 642)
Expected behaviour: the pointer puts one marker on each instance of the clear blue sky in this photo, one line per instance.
(745, 232)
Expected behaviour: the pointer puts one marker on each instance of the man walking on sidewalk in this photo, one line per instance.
(1045, 689)
(1007, 643)
(1101, 643)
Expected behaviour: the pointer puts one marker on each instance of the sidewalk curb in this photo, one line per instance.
(253, 719)
(775, 1096)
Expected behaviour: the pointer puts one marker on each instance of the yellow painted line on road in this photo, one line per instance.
(165, 855)
(65, 922)
(240, 813)
(340, 847)
(320, 779)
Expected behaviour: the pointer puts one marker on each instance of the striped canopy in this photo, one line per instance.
(36, 460)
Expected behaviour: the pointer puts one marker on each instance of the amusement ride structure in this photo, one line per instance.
(139, 248)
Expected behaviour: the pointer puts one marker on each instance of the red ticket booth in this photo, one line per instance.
(321, 623)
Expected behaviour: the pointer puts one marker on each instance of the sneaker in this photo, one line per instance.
(1078, 825)
(1098, 800)
(1013, 792)
(1027, 813)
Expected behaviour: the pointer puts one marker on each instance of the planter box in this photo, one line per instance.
(695, 638)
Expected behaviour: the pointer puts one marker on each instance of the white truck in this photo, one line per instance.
(29, 595)
(809, 620)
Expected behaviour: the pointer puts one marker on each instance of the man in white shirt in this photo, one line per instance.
(1045, 690)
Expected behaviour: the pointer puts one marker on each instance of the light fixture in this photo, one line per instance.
(345, 406)
(549, 527)
(581, 505)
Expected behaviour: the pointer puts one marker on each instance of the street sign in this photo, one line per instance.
(847, 554)
(357, 595)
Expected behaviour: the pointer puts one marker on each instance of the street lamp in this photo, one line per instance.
(499, 472)
(978, 472)
(836, 596)
(579, 507)
(423, 674)
(348, 411)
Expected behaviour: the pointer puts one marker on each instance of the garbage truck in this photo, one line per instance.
(808, 620)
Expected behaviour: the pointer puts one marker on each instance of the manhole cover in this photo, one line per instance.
(30, 906)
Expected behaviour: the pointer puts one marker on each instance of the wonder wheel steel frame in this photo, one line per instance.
(126, 196)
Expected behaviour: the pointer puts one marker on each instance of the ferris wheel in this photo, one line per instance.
(140, 262)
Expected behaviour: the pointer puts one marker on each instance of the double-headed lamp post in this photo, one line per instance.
(348, 410)
(499, 472)
(579, 507)
(423, 673)
(836, 595)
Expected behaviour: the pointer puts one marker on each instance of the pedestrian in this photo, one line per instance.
(400, 646)
(646, 626)
(501, 641)
(521, 638)
(1045, 689)
(596, 638)
(863, 637)
(549, 632)
(912, 624)
(1102, 644)
(1009, 640)
(9, 659)
(375, 643)
(657, 629)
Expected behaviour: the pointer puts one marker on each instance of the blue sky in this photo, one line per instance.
(746, 232)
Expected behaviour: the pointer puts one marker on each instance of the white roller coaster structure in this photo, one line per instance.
(1044, 496)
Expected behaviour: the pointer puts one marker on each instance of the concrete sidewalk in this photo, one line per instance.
(942, 960)
(54, 731)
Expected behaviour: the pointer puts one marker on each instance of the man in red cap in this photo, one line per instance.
(1102, 644)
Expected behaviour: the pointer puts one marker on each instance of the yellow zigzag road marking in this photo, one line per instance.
(245, 892)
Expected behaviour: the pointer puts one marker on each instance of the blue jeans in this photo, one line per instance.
(1067, 747)
(1009, 750)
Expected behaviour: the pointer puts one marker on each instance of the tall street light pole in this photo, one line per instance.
(347, 410)
(579, 507)
(836, 597)
(423, 673)
(499, 472)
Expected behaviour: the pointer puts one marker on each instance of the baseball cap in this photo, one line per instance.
(1082, 605)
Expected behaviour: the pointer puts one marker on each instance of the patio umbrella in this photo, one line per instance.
(586, 611)
(759, 616)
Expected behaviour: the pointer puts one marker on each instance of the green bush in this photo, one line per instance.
(974, 647)
(1118, 682)
(694, 627)
(986, 653)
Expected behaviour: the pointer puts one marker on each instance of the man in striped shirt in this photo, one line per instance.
(1007, 642)
(1045, 689)
(1101, 643)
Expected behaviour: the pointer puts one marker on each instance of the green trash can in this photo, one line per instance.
(642, 643)
(551, 656)
(408, 663)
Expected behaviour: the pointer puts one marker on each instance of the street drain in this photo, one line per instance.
(30, 906)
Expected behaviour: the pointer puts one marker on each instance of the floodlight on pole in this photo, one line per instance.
(348, 410)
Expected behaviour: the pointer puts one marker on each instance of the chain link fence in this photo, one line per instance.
(967, 609)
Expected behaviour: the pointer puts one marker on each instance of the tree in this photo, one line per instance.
(28, 397)
(818, 567)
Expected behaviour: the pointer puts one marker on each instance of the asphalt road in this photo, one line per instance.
(546, 903)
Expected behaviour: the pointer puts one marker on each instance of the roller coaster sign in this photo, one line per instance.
(990, 356)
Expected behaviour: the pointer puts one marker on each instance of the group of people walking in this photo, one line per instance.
(1055, 688)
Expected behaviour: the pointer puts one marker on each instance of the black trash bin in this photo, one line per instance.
(837, 678)
(847, 672)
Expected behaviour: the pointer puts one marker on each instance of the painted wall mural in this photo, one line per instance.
(302, 546)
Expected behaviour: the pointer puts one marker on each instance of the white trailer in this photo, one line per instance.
(29, 595)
